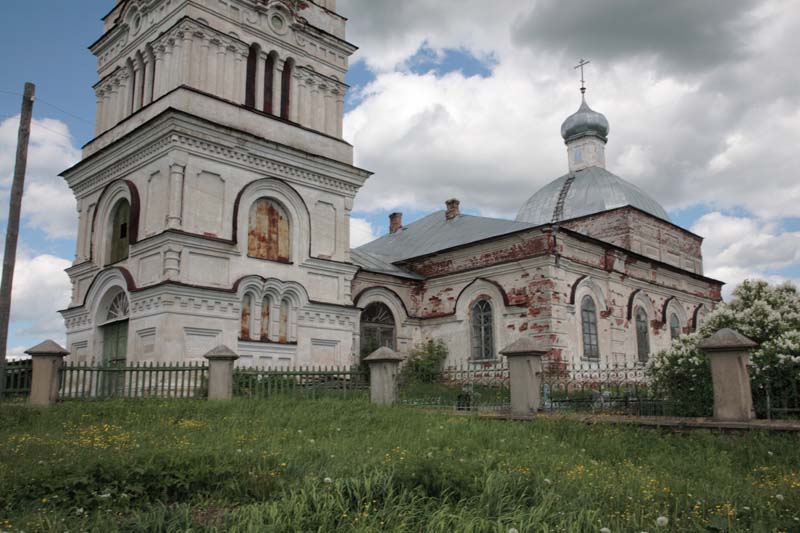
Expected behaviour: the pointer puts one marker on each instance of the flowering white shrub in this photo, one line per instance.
(769, 315)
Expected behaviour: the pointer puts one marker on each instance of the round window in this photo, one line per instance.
(277, 22)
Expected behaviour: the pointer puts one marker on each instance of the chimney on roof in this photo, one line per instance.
(395, 222)
(452, 209)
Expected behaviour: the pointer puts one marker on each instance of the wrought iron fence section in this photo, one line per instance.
(134, 380)
(608, 388)
(777, 395)
(465, 386)
(304, 381)
(15, 379)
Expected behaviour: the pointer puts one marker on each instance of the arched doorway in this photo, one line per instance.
(377, 328)
(115, 331)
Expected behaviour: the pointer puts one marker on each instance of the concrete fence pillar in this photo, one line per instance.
(525, 371)
(220, 372)
(729, 353)
(384, 369)
(48, 358)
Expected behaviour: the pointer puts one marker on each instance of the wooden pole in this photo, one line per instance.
(15, 206)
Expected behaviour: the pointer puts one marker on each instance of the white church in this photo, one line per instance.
(214, 208)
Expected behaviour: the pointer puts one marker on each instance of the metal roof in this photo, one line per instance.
(380, 264)
(434, 233)
(585, 192)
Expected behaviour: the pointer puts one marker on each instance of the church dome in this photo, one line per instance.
(585, 121)
(585, 192)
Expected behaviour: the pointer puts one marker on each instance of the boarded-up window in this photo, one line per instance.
(247, 309)
(283, 328)
(265, 319)
(120, 223)
(268, 231)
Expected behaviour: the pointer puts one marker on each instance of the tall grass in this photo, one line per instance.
(328, 465)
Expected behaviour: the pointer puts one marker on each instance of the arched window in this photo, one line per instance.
(120, 228)
(591, 347)
(642, 335)
(247, 313)
(283, 325)
(265, 310)
(250, 84)
(269, 81)
(674, 326)
(377, 328)
(268, 231)
(286, 87)
(482, 330)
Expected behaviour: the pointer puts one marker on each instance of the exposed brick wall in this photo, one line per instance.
(644, 234)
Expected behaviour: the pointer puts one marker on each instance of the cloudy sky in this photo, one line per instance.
(464, 98)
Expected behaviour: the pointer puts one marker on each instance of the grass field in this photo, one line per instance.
(328, 465)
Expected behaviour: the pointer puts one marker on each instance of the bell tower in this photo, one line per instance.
(215, 197)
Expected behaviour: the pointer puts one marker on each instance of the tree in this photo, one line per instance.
(768, 314)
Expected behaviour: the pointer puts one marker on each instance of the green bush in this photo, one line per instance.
(769, 315)
(425, 362)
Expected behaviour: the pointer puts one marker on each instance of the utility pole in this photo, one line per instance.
(12, 231)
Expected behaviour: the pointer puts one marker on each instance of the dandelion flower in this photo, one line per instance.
(662, 521)
(547, 481)
(513, 530)
(779, 497)
(328, 480)
(605, 530)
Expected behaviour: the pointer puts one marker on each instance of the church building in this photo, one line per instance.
(214, 208)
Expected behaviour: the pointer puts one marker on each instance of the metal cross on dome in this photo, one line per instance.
(582, 63)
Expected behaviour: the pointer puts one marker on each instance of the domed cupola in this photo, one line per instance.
(585, 121)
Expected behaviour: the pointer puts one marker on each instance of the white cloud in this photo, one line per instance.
(48, 204)
(688, 125)
(41, 288)
(739, 248)
(361, 232)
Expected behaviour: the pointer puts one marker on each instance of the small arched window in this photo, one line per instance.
(674, 326)
(247, 313)
(286, 88)
(283, 325)
(268, 231)
(482, 330)
(120, 228)
(269, 82)
(591, 346)
(250, 83)
(265, 312)
(642, 335)
(377, 328)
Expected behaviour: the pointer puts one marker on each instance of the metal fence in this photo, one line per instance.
(466, 386)
(134, 380)
(307, 382)
(610, 388)
(777, 395)
(15, 379)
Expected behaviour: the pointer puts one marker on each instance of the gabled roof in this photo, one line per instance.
(435, 233)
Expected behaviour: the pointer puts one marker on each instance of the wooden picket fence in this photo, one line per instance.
(304, 381)
(81, 381)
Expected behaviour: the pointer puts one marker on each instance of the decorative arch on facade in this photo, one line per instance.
(268, 231)
(639, 297)
(699, 316)
(283, 301)
(102, 224)
(672, 310)
(293, 206)
(108, 303)
(483, 325)
(593, 336)
(391, 302)
(641, 314)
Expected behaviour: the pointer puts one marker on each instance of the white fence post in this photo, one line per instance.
(525, 372)
(729, 353)
(220, 373)
(384, 369)
(48, 358)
